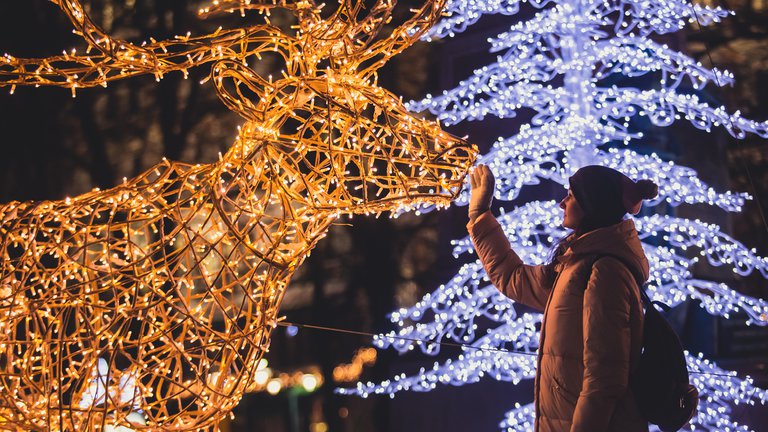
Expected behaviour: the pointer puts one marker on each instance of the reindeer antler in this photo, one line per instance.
(341, 37)
(229, 6)
(119, 59)
(352, 37)
(402, 37)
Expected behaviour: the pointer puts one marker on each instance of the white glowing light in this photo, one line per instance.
(262, 376)
(274, 386)
(309, 382)
(572, 65)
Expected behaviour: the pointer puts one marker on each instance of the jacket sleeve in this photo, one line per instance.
(607, 342)
(526, 284)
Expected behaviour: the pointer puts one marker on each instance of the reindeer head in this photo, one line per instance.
(346, 144)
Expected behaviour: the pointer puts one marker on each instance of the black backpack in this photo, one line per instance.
(659, 381)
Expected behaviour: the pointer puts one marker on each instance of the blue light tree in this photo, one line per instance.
(583, 45)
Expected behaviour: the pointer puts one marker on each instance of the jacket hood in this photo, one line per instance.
(620, 240)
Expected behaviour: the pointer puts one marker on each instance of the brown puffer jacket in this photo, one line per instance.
(591, 334)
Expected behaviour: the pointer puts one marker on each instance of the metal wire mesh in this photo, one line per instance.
(148, 305)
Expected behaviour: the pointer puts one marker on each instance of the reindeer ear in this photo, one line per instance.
(241, 89)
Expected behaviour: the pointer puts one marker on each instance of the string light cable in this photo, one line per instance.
(284, 323)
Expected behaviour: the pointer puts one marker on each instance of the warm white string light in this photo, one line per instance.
(149, 305)
(581, 121)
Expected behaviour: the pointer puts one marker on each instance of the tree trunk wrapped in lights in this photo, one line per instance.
(149, 305)
(562, 64)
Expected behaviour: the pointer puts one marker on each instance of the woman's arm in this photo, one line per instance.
(529, 285)
(526, 284)
(607, 342)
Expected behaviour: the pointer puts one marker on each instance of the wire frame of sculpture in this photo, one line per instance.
(148, 305)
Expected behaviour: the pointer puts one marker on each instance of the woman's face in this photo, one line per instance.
(572, 212)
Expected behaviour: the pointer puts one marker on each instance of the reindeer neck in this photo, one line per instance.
(256, 182)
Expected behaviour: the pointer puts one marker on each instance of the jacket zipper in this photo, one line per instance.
(537, 393)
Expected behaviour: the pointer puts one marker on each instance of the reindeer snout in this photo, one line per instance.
(445, 170)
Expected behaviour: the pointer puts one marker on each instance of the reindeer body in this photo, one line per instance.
(195, 258)
(148, 305)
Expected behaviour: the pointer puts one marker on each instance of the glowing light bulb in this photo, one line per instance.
(184, 266)
(309, 382)
(274, 386)
(565, 69)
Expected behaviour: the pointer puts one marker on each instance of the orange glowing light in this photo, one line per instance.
(149, 305)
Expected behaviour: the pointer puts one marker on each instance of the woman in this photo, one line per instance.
(591, 334)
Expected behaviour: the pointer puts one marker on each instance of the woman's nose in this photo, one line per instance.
(562, 204)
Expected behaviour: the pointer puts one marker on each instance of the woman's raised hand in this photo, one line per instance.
(482, 182)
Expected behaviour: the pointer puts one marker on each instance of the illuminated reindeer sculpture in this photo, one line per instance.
(149, 305)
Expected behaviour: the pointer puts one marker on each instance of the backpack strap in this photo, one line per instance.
(647, 302)
(623, 262)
